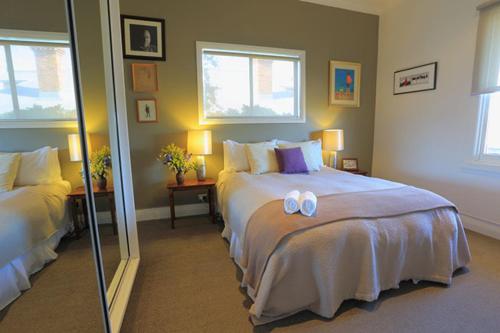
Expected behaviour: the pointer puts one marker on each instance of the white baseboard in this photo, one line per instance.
(159, 213)
(487, 228)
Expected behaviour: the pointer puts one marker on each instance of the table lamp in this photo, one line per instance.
(333, 141)
(200, 144)
(75, 149)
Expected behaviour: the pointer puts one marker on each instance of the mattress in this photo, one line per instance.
(317, 269)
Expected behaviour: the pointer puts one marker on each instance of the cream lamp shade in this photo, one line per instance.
(75, 147)
(333, 140)
(199, 142)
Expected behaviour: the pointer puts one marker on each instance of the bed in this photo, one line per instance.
(33, 219)
(317, 268)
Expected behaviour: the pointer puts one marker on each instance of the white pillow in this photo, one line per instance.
(235, 156)
(262, 157)
(9, 165)
(39, 167)
(313, 154)
(55, 166)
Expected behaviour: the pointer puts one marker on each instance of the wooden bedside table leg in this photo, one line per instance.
(74, 215)
(111, 199)
(211, 204)
(172, 208)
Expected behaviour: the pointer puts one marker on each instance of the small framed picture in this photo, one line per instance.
(146, 111)
(420, 78)
(143, 38)
(345, 83)
(350, 164)
(144, 78)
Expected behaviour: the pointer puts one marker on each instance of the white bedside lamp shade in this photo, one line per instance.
(333, 141)
(200, 142)
(75, 149)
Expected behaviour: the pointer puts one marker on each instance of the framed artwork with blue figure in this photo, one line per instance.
(345, 83)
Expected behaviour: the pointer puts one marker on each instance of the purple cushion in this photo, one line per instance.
(291, 160)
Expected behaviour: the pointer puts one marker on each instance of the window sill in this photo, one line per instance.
(251, 120)
(484, 166)
(38, 124)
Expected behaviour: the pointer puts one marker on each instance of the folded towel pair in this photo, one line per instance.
(305, 202)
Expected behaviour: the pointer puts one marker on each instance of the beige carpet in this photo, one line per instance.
(187, 283)
(64, 296)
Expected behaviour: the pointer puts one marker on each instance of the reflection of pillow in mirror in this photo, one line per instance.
(38, 167)
(262, 157)
(313, 154)
(55, 166)
(9, 165)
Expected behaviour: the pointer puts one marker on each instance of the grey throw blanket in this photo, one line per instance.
(269, 225)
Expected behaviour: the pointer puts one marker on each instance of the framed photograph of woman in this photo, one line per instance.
(143, 38)
(146, 111)
(345, 83)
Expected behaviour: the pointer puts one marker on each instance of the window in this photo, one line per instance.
(489, 128)
(36, 80)
(250, 84)
(486, 82)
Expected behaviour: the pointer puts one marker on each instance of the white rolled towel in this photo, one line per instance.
(308, 203)
(291, 202)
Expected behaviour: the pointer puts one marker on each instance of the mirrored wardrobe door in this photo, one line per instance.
(109, 158)
(47, 269)
(99, 124)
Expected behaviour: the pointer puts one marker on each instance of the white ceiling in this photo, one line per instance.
(376, 7)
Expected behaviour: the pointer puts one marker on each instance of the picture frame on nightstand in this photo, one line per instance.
(350, 164)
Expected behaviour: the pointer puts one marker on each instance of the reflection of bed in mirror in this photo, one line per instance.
(33, 219)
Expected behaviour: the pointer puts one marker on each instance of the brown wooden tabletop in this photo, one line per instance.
(80, 191)
(192, 183)
(357, 172)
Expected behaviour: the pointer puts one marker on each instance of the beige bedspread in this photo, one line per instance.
(270, 224)
(318, 268)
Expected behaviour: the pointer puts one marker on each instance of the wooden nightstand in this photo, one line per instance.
(192, 184)
(357, 172)
(78, 206)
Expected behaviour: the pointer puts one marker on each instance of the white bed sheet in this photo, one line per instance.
(319, 268)
(33, 219)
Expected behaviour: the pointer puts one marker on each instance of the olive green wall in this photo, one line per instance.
(323, 32)
(50, 15)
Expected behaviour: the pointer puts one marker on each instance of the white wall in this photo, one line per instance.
(426, 138)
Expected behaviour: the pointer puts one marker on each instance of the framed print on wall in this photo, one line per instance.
(146, 111)
(345, 83)
(420, 78)
(143, 38)
(144, 78)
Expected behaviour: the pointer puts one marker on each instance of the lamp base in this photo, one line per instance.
(333, 159)
(201, 172)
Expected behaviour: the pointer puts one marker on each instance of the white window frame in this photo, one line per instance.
(480, 156)
(24, 37)
(249, 50)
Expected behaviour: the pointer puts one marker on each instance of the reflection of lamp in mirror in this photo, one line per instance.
(333, 141)
(200, 144)
(75, 148)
